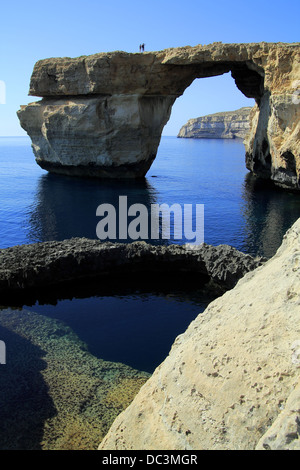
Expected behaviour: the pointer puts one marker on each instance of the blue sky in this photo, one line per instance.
(34, 30)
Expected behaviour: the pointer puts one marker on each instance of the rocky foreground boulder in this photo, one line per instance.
(102, 115)
(224, 125)
(232, 380)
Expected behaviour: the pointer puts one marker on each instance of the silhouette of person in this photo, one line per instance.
(140, 47)
(143, 47)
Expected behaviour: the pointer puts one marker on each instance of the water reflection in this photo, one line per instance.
(243, 211)
(65, 207)
(268, 213)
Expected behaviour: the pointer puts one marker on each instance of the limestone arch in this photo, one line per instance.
(102, 116)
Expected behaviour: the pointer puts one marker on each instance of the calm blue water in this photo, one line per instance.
(37, 206)
(239, 210)
(136, 329)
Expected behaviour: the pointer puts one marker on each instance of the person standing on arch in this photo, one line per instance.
(143, 47)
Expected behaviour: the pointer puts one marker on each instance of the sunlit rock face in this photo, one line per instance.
(224, 125)
(231, 381)
(103, 136)
(102, 115)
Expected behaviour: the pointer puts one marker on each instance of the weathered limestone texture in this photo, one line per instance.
(102, 115)
(224, 125)
(285, 431)
(231, 381)
(105, 136)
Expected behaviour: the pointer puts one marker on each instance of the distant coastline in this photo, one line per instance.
(223, 125)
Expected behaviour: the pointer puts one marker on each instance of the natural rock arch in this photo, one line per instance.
(103, 115)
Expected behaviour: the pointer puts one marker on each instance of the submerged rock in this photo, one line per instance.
(54, 394)
(103, 115)
(231, 381)
(225, 125)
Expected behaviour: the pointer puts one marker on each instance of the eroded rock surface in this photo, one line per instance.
(102, 115)
(51, 263)
(224, 125)
(231, 381)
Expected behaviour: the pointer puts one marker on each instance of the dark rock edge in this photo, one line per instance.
(53, 266)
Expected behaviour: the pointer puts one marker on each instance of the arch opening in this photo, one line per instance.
(206, 96)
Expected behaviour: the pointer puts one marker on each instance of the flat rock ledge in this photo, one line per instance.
(232, 380)
(47, 264)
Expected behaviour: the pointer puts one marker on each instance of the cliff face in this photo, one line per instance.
(226, 125)
(231, 381)
(102, 115)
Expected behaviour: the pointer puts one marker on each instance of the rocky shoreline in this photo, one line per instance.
(232, 380)
(93, 391)
(29, 268)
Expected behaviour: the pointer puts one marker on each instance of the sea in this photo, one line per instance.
(133, 327)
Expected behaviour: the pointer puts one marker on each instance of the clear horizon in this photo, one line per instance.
(70, 29)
